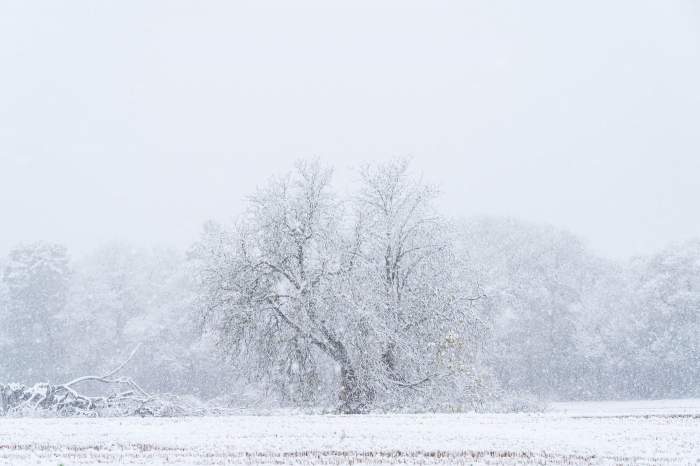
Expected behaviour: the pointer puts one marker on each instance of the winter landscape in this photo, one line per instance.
(397, 232)
(570, 434)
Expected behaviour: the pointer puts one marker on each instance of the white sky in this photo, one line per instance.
(141, 119)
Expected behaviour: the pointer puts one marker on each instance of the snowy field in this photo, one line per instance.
(657, 432)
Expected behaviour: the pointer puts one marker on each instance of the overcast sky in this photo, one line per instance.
(141, 119)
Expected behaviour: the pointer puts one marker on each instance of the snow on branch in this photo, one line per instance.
(124, 398)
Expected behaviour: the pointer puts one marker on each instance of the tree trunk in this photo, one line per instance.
(355, 397)
(389, 359)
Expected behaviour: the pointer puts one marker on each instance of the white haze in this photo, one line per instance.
(140, 120)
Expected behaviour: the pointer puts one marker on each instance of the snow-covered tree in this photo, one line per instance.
(542, 285)
(266, 284)
(423, 312)
(309, 297)
(35, 279)
(123, 296)
(663, 339)
(369, 300)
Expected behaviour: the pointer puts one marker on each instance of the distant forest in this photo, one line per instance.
(373, 299)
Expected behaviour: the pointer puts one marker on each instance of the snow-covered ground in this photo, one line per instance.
(629, 408)
(658, 432)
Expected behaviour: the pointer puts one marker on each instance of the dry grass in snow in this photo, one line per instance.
(665, 432)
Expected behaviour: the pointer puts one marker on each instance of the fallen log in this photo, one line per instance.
(124, 397)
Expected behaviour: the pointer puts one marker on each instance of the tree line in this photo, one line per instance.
(371, 299)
